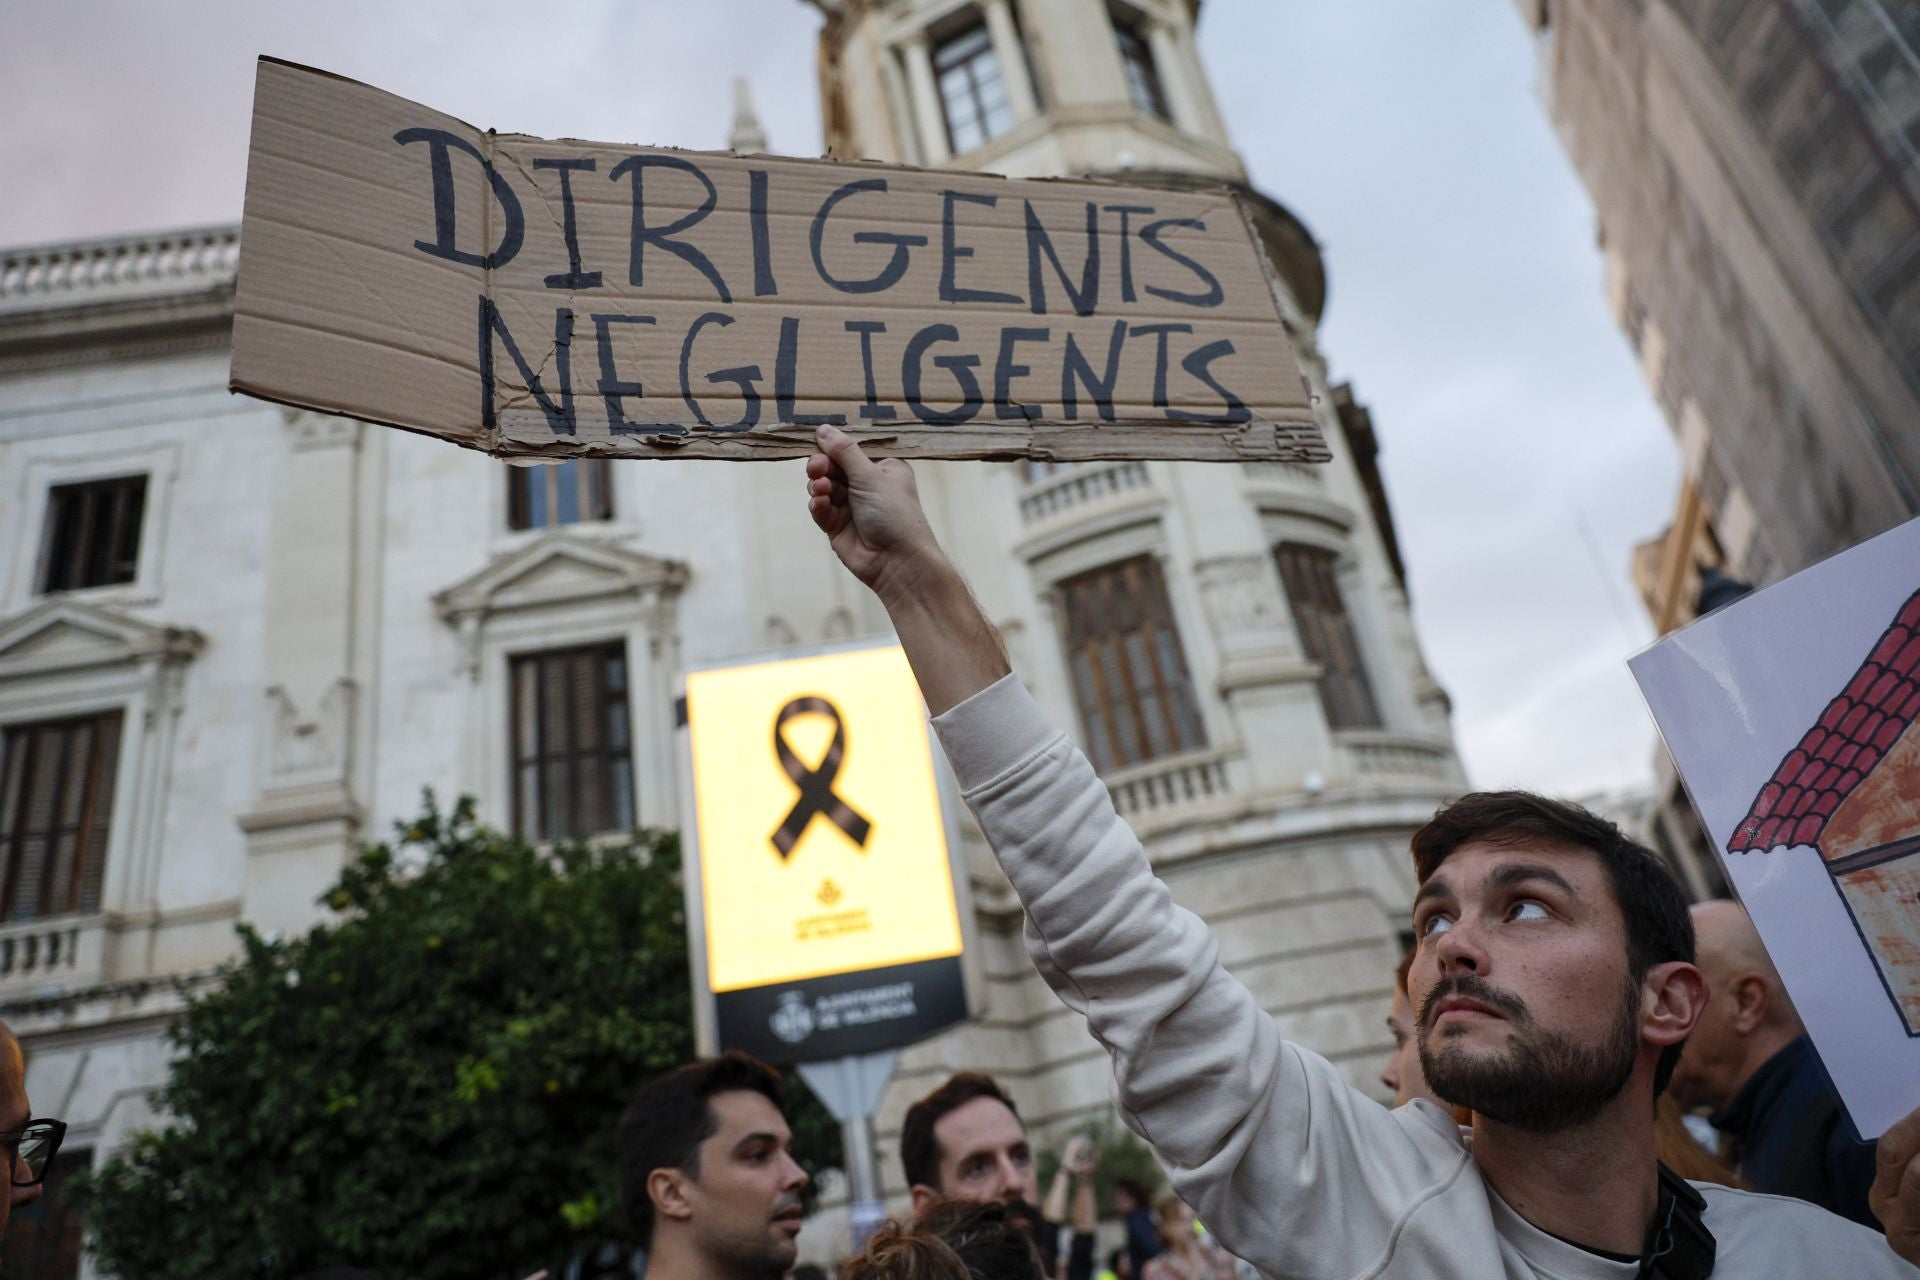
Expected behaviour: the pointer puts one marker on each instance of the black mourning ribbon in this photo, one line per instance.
(816, 784)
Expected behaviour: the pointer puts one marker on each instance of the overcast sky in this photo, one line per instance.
(1523, 453)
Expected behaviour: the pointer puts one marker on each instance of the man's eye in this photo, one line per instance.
(1528, 911)
(1435, 924)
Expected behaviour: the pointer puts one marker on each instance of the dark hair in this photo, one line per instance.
(1651, 903)
(899, 1252)
(809, 1271)
(988, 1237)
(1135, 1189)
(668, 1120)
(919, 1149)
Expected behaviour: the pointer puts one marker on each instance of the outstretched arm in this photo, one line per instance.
(870, 512)
(1294, 1170)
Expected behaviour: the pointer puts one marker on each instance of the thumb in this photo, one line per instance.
(845, 453)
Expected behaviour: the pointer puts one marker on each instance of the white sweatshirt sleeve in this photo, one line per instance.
(1288, 1165)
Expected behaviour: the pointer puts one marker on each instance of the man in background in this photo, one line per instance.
(30, 1148)
(707, 1179)
(1750, 1062)
(965, 1141)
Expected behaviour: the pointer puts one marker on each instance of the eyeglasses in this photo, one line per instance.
(31, 1148)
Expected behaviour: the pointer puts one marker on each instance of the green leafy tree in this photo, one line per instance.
(427, 1086)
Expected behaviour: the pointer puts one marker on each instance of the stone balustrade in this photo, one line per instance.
(1082, 485)
(124, 266)
(1161, 788)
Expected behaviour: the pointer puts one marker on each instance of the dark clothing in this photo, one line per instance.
(1791, 1136)
(1143, 1241)
(1079, 1250)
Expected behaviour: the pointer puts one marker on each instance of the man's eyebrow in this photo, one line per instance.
(1435, 887)
(1512, 873)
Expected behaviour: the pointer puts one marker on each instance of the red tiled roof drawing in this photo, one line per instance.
(1851, 737)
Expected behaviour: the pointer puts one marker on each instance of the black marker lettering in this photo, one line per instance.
(872, 410)
(573, 277)
(1087, 297)
(742, 376)
(611, 388)
(951, 251)
(559, 415)
(1196, 364)
(1151, 234)
(896, 265)
(643, 235)
(960, 366)
(763, 285)
(513, 226)
(1074, 367)
(785, 365)
(1159, 332)
(1126, 246)
(1005, 371)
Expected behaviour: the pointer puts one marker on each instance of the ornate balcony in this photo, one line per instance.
(1375, 757)
(1170, 788)
(1085, 486)
(65, 950)
(126, 266)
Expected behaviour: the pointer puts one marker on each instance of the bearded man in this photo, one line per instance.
(1554, 981)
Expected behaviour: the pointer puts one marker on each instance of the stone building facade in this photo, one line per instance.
(1755, 168)
(236, 639)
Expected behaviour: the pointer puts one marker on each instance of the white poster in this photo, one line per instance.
(1794, 717)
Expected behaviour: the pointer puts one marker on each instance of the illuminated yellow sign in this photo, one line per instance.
(822, 848)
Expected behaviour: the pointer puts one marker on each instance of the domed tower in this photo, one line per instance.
(1229, 642)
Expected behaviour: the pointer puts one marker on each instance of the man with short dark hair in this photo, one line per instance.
(1750, 1062)
(707, 1179)
(964, 1141)
(1554, 985)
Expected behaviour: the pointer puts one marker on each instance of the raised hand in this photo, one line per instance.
(870, 512)
(1895, 1195)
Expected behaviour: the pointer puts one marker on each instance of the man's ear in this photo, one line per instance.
(1672, 997)
(924, 1198)
(667, 1188)
(1752, 1002)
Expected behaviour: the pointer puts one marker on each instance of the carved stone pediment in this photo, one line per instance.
(560, 568)
(63, 635)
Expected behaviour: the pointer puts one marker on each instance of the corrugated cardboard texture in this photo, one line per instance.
(541, 299)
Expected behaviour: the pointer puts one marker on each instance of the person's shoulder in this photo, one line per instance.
(1761, 1234)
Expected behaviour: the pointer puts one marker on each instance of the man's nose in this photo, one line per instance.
(1459, 951)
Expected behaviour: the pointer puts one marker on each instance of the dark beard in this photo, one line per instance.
(1545, 1082)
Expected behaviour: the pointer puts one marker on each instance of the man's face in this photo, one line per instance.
(13, 1114)
(1402, 1072)
(745, 1193)
(1526, 1010)
(984, 1154)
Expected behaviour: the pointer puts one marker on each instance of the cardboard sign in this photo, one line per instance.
(1794, 717)
(545, 299)
(823, 885)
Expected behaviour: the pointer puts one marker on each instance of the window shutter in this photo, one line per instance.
(1128, 670)
(1327, 635)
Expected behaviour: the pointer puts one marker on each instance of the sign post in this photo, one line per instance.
(823, 904)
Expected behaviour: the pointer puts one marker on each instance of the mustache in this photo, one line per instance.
(1475, 988)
